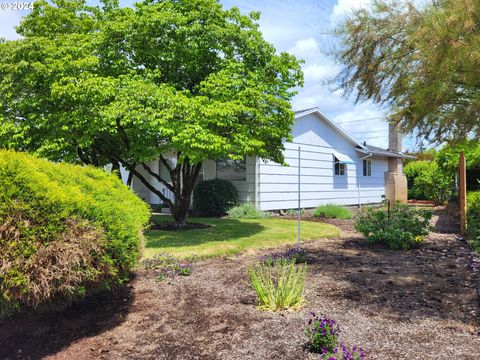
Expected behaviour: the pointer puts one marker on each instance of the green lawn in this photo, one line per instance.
(229, 236)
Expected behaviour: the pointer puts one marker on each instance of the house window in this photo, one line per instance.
(367, 167)
(232, 170)
(340, 169)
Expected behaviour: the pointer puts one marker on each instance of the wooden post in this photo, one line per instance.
(462, 196)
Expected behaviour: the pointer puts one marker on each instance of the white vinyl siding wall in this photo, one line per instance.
(278, 185)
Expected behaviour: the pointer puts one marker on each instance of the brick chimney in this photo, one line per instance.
(395, 180)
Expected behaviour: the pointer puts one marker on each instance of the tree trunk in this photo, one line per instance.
(183, 180)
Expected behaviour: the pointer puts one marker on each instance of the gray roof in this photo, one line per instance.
(377, 151)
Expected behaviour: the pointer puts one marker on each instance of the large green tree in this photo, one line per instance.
(422, 63)
(105, 84)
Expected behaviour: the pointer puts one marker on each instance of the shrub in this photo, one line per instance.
(247, 211)
(278, 287)
(401, 228)
(214, 197)
(473, 221)
(435, 183)
(65, 231)
(332, 212)
(412, 171)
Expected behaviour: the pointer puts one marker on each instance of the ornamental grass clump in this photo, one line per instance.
(332, 212)
(278, 287)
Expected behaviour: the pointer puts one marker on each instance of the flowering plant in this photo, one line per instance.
(343, 353)
(291, 255)
(322, 333)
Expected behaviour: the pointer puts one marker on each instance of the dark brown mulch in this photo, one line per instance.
(417, 304)
(170, 227)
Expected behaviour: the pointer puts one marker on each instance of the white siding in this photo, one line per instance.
(246, 189)
(278, 185)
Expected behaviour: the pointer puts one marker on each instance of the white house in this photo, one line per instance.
(334, 169)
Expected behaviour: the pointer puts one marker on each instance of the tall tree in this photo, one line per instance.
(422, 63)
(105, 84)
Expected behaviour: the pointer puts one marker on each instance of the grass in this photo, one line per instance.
(278, 287)
(230, 236)
(332, 212)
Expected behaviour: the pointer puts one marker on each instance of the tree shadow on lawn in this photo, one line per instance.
(221, 230)
(414, 284)
(34, 336)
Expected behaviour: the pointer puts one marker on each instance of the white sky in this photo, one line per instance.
(301, 27)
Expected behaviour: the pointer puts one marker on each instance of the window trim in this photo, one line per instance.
(367, 167)
(339, 169)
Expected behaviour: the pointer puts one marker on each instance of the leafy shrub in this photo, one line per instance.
(292, 254)
(412, 171)
(332, 212)
(65, 231)
(473, 220)
(247, 211)
(435, 183)
(278, 287)
(401, 228)
(214, 197)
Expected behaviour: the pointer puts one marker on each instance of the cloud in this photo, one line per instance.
(8, 20)
(344, 8)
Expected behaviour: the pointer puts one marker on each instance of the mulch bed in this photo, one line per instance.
(417, 304)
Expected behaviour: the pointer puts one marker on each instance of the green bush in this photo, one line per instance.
(247, 211)
(65, 231)
(401, 228)
(435, 183)
(332, 212)
(473, 219)
(412, 171)
(214, 197)
(279, 286)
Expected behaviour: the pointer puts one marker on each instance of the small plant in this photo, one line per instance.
(167, 265)
(401, 227)
(332, 212)
(343, 353)
(247, 211)
(292, 254)
(279, 286)
(322, 333)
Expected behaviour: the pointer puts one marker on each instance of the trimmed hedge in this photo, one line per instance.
(473, 221)
(214, 197)
(65, 231)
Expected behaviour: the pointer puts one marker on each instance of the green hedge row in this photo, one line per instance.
(65, 231)
(473, 221)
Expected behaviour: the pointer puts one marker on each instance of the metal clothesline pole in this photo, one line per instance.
(299, 213)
